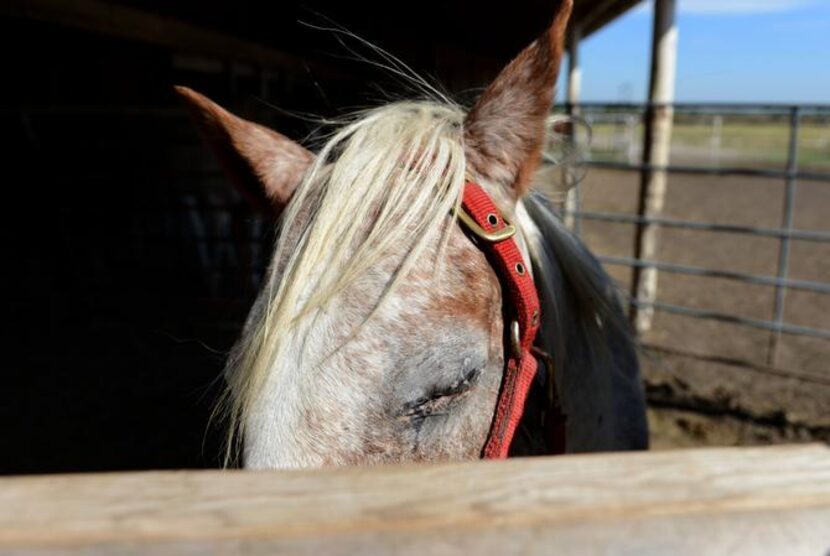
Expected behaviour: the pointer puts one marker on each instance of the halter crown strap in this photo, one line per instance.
(485, 221)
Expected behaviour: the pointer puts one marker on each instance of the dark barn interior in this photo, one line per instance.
(130, 262)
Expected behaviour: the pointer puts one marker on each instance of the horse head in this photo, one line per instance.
(379, 335)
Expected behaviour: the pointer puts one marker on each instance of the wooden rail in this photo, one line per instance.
(772, 500)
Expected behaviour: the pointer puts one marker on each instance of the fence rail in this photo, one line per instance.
(802, 235)
(711, 171)
(781, 327)
(678, 502)
(759, 279)
(786, 114)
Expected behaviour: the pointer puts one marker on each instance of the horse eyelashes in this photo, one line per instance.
(439, 398)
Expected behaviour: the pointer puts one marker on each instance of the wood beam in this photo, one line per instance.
(603, 14)
(133, 24)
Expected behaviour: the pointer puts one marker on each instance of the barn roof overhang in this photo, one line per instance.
(593, 15)
(468, 39)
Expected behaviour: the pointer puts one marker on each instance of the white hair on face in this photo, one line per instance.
(380, 184)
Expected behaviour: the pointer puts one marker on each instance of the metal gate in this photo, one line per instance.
(800, 151)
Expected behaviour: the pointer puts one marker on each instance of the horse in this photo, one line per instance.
(382, 333)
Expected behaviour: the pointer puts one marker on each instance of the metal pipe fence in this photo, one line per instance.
(801, 235)
(792, 116)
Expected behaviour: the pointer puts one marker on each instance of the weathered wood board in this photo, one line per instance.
(773, 500)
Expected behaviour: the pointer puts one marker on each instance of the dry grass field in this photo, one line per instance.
(712, 140)
(706, 402)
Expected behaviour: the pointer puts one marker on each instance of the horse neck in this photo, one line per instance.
(584, 328)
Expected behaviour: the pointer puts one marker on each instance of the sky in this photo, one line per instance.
(728, 50)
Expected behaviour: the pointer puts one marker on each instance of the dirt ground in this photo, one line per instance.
(703, 402)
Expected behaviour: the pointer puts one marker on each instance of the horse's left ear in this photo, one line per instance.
(504, 131)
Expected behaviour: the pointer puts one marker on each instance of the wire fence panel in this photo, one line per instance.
(760, 142)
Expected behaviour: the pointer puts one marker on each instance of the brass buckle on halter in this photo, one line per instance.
(495, 236)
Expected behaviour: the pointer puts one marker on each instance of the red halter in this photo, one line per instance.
(495, 238)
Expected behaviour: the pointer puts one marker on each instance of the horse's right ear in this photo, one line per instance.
(265, 166)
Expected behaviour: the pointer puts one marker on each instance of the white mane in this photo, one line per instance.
(383, 180)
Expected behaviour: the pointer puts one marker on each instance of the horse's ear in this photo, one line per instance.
(265, 166)
(504, 131)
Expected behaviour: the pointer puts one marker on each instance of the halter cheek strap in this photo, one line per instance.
(495, 237)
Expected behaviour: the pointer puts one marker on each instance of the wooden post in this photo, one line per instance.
(717, 138)
(656, 149)
(572, 99)
(574, 68)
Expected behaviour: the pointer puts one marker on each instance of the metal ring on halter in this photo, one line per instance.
(516, 339)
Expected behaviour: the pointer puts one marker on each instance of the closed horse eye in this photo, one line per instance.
(439, 397)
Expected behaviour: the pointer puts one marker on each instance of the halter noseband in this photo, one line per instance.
(485, 222)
